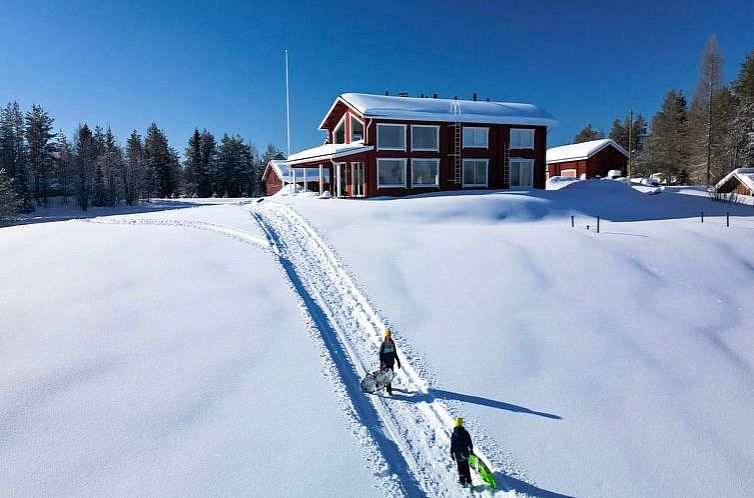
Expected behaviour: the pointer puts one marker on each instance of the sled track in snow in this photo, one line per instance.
(411, 436)
(226, 230)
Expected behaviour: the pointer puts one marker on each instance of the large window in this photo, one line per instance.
(357, 129)
(475, 172)
(391, 137)
(425, 172)
(522, 172)
(475, 137)
(391, 173)
(425, 137)
(339, 133)
(522, 138)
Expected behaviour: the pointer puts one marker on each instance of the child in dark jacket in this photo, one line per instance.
(460, 449)
(388, 356)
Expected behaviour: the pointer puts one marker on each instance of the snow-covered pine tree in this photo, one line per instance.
(62, 166)
(9, 204)
(40, 148)
(133, 169)
(210, 176)
(192, 170)
(743, 89)
(666, 149)
(160, 162)
(13, 153)
(85, 160)
(235, 159)
(702, 122)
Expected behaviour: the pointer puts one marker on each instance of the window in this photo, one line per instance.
(357, 129)
(391, 137)
(475, 137)
(425, 137)
(339, 133)
(522, 172)
(391, 173)
(475, 172)
(522, 138)
(425, 172)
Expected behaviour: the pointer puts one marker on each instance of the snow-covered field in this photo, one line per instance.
(215, 350)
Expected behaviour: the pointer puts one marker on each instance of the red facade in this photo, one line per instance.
(598, 165)
(355, 183)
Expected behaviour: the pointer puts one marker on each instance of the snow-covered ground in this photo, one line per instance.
(162, 360)
(214, 348)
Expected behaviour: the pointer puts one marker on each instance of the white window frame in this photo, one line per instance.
(350, 128)
(437, 134)
(520, 131)
(379, 147)
(475, 146)
(334, 130)
(510, 170)
(391, 185)
(437, 177)
(486, 169)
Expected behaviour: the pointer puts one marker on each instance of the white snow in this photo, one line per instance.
(163, 357)
(610, 364)
(580, 151)
(427, 109)
(215, 348)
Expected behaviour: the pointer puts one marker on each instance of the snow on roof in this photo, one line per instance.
(328, 151)
(280, 167)
(743, 175)
(584, 150)
(283, 171)
(426, 109)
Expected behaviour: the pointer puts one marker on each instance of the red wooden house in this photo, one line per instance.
(592, 159)
(384, 145)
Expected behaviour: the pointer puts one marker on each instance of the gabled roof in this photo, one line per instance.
(280, 167)
(327, 152)
(581, 151)
(743, 175)
(427, 109)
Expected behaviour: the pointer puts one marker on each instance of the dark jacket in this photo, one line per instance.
(460, 444)
(388, 354)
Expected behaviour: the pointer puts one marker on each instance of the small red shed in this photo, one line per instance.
(740, 181)
(587, 159)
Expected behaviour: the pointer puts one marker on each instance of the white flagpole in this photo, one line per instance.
(287, 105)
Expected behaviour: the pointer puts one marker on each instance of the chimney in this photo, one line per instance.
(474, 98)
(385, 93)
(434, 95)
(422, 95)
(488, 99)
(455, 98)
(403, 94)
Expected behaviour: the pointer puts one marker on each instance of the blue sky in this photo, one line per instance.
(219, 64)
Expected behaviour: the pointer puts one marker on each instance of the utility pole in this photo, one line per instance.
(630, 143)
(287, 105)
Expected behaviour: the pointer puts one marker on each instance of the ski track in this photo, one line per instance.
(405, 441)
(413, 435)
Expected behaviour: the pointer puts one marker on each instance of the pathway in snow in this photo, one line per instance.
(407, 434)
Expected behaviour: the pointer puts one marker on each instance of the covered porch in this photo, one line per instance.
(338, 168)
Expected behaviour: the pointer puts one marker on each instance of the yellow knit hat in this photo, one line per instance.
(458, 421)
(387, 332)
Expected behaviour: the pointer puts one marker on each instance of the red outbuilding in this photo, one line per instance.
(384, 145)
(592, 159)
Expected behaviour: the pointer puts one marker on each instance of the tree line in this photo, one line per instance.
(699, 142)
(37, 164)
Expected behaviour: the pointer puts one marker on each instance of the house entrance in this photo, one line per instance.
(357, 179)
